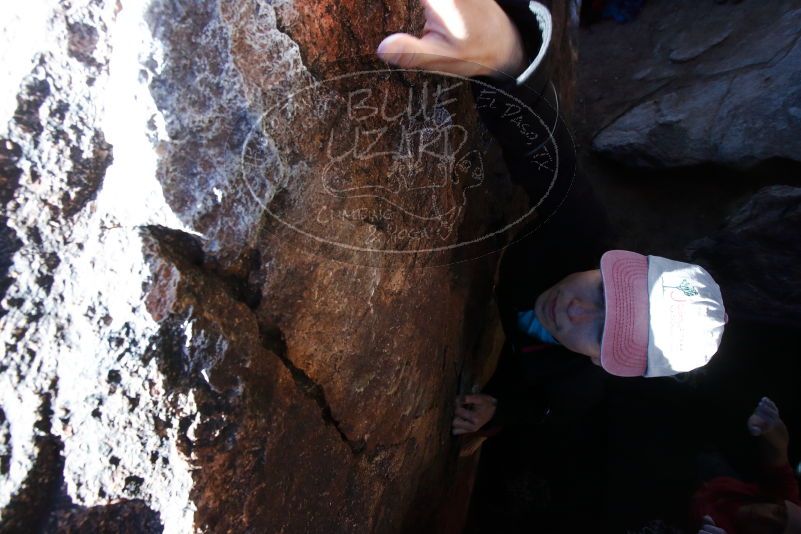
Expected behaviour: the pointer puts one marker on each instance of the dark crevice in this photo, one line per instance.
(183, 365)
(5, 439)
(9, 245)
(86, 175)
(26, 116)
(168, 347)
(182, 370)
(273, 339)
(177, 246)
(240, 280)
(773, 171)
(30, 507)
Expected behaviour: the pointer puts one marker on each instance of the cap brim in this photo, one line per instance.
(624, 346)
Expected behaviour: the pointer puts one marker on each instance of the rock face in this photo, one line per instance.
(694, 83)
(87, 419)
(231, 300)
(754, 257)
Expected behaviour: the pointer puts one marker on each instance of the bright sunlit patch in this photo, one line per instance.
(133, 194)
(451, 18)
(23, 30)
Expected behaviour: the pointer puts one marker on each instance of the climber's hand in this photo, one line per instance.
(472, 412)
(462, 37)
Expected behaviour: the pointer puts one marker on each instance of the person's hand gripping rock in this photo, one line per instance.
(462, 37)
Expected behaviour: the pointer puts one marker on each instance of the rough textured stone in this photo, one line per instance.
(755, 255)
(693, 83)
(122, 517)
(82, 409)
(175, 355)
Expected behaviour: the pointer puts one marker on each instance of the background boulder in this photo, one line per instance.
(754, 257)
(689, 83)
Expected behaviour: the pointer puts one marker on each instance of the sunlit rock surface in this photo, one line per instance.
(210, 318)
(689, 83)
(87, 417)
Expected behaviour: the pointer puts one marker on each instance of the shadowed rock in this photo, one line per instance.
(755, 256)
(689, 83)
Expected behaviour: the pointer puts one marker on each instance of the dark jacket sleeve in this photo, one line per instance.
(522, 112)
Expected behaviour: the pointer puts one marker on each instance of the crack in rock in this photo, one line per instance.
(236, 278)
(274, 341)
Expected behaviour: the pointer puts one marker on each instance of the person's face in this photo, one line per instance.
(573, 312)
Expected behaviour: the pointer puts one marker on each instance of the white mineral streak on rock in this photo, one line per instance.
(65, 339)
(207, 114)
(23, 31)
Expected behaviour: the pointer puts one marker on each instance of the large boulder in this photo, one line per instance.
(231, 299)
(755, 257)
(690, 83)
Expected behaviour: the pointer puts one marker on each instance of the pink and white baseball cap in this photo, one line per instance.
(663, 317)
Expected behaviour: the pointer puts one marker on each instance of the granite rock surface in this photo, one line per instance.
(231, 301)
(689, 83)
